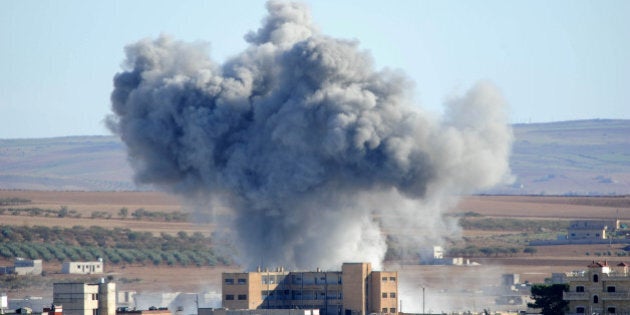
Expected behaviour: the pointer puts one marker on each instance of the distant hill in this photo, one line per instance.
(586, 157)
(67, 163)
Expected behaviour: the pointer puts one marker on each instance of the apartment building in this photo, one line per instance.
(355, 290)
(86, 299)
(600, 289)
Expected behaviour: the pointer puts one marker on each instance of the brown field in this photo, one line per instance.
(532, 268)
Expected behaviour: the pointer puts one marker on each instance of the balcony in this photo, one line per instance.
(615, 296)
(575, 296)
(621, 276)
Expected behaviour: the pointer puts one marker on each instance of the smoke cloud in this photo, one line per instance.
(316, 153)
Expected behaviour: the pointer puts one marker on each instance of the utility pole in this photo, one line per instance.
(423, 300)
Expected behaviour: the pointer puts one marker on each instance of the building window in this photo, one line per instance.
(392, 278)
(94, 296)
(384, 310)
(612, 310)
(610, 289)
(579, 288)
(392, 310)
(384, 279)
(242, 297)
(384, 295)
(595, 278)
(580, 309)
(595, 299)
(392, 295)
(229, 297)
(229, 281)
(242, 281)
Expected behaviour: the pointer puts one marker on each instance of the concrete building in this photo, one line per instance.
(84, 268)
(126, 298)
(86, 299)
(50, 310)
(591, 229)
(600, 289)
(356, 289)
(23, 266)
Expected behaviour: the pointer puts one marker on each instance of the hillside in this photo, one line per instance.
(588, 157)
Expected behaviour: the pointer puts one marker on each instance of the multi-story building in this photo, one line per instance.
(356, 289)
(86, 299)
(601, 289)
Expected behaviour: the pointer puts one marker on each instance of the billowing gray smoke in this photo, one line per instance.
(316, 153)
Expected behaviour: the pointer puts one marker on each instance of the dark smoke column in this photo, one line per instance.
(315, 152)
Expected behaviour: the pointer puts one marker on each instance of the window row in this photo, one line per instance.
(610, 288)
(301, 279)
(241, 297)
(391, 310)
(384, 279)
(301, 295)
(391, 295)
(239, 281)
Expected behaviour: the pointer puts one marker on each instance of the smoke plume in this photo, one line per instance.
(316, 153)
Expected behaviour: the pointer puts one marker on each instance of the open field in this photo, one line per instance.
(436, 279)
(548, 207)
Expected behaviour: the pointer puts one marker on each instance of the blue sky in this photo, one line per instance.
(553, 60)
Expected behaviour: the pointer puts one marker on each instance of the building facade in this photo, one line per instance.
(591, 229)
(355, 290)
(85, 267)
(601, 289)
(23, 266)
(86, 299)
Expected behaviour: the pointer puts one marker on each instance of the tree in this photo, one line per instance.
(530, 250)
(549, 298)
(123, 212)
(63, 212)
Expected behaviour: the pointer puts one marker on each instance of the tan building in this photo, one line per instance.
(83, 267)
(356, 289)
(601, 289)
(23, 267)
(86, 299)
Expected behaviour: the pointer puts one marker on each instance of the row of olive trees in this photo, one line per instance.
(101, 237)
(474, 251)
(123, 213)
(13, 201)
(61, 252)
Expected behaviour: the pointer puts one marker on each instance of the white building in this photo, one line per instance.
(86, 267)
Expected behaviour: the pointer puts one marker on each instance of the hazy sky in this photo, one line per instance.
(553, 60)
